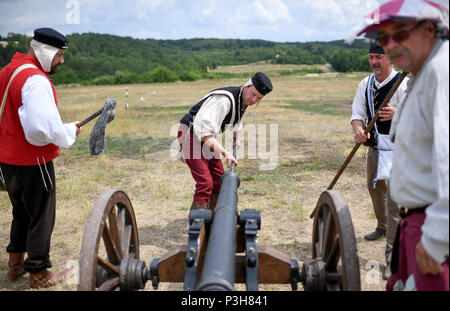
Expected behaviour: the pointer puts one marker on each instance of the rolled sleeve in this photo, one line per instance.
(358, 107)
(209, 118)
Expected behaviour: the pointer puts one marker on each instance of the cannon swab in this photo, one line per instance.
(97, 141)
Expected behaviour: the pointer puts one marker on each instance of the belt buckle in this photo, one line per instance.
(403, 211)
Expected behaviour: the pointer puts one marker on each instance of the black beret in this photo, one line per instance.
(262, 83)
(375, 48)
(51, 37)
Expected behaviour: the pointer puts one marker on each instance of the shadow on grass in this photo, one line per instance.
(172, 235)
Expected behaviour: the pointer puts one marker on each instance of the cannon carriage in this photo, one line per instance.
(222, 249)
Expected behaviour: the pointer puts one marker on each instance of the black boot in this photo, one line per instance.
(376, 235)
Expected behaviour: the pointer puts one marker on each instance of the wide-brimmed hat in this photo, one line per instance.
(405, 10)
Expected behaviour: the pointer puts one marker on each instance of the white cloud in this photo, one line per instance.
(275, 20)
(264, 11)
(339, 12)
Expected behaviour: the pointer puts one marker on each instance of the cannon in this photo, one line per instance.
(222, 248)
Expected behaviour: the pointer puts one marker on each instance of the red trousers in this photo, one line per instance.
(410, 234)
(206, 167)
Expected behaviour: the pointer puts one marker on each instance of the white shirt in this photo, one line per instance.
(421, 156)
(359, 102)
(210, 116)
(39, 115)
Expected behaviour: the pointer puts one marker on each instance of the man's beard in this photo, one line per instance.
(53, 70)
(377, 71)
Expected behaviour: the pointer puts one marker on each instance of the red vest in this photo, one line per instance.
(14, 148)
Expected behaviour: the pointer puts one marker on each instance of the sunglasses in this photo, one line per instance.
(398, 37)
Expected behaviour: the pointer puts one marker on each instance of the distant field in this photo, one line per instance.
(266, 67)
(314, 137)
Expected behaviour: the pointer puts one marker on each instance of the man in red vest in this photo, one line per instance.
(31, 132)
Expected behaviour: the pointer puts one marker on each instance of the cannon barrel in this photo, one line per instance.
(219, 266)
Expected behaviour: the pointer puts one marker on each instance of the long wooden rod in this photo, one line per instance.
(366, 131)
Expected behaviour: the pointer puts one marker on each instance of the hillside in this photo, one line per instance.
(106, 59)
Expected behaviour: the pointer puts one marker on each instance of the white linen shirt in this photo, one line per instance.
(210, 116)
(39, 116)
(359, 111)
(421, 157)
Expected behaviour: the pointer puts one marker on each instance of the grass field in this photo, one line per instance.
(314, 137)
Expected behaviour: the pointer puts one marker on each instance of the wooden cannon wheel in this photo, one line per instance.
(334, 244)
(110, 241)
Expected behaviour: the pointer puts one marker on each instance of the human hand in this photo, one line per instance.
(229, 158)
(387, 113)
(360, 136)
(426, 263)
(77, 126)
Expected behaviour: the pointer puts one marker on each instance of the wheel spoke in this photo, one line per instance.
(330, 236)
(121, 224)
(111, 249)
(127, 240)
(114, 228)
(109, 267)
(320, 237)
(333, 287)
(110, 284)
(334, 276)
(317, 249)
(334, 256)
(323, 229)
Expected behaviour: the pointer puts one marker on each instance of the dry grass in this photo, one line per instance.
(312, 146)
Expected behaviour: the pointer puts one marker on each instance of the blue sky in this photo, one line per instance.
(273, 20)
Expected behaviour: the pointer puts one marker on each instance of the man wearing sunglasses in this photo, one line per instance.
(414, 34)
(371, 93)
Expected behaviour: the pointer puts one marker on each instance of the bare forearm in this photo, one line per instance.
(214, 144)
(358, 129)
(211, 142)
(357, 126)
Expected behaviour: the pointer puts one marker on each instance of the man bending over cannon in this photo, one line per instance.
(31, 132)
(218, 110)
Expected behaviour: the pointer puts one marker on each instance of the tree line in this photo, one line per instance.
(96, 59)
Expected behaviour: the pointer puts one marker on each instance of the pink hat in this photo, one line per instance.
(405, 10)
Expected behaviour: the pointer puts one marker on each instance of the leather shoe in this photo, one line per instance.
(376, 235)
(197, 205)
(15, 265)
(46, 278)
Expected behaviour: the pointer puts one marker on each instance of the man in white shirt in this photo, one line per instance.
(218, 110)
(370, 95)
(31, 132)
(410, 33)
